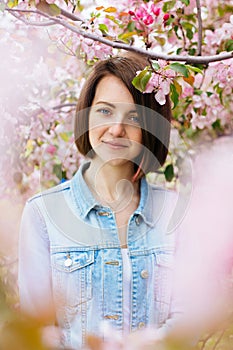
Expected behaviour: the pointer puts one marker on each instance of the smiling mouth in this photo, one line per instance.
(115, 145)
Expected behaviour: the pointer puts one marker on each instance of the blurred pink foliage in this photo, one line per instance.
(205, 263)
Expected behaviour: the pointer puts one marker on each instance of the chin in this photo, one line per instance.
(117, 162)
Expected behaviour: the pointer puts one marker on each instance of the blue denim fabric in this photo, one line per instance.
(70, 256)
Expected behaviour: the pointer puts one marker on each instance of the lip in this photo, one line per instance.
(115, 145)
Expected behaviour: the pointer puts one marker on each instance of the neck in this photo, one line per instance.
(112, 184)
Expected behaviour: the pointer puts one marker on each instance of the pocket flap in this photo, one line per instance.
(69, 261)
(165, 259)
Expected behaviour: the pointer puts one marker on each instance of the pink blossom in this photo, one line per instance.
(142, 14)
(160, 82)
(153, 83)
(51, 149)
(156, 10)
(166, 17)
(160, 97)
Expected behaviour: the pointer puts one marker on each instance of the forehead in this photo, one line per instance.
(112, 89)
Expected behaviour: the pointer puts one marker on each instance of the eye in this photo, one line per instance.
(104, 111)
(134, 118)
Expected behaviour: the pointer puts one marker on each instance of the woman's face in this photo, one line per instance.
(114, 124)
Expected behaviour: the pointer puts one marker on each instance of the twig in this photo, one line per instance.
(123, 46)
(199, 44)
(205, 340)
(62, 12)
(218, 340)
(37, 24)
(64, 105)
(183, 34)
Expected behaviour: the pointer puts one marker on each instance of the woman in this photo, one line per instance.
(97, 247)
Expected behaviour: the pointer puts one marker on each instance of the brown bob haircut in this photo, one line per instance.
(156, 118)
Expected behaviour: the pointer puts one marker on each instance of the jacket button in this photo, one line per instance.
(68, 262)
(144, 274)
(141, 325)
(138, 220)
(103, 213)
(111, 317)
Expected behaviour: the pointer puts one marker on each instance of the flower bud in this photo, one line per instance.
(166, 16)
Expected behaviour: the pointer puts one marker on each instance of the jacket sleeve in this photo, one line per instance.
(179, 323)
(34, 272)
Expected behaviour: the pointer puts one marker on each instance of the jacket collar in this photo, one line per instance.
(85, 201)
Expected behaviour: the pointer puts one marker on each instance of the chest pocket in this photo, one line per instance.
(72, 277)
(163, 285)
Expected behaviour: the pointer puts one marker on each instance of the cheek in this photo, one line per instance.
(92, 137)
(95, 134)
(137, 135)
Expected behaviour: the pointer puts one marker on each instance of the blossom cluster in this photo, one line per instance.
(160, 81)
(36, 125)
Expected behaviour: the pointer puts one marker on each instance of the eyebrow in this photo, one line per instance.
(106, 103)
(113, 106)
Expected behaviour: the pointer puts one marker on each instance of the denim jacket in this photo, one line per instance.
(70, 257)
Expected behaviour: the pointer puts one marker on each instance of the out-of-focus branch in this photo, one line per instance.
(62, 12)
(64, 105)
(32, 23)
(199, 45)
(123, 46)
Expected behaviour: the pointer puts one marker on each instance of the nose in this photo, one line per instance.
(117, 129)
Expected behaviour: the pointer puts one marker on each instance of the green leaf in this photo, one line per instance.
(168, 5)
(54, 10)
(186, 2)
(198, 92)
(179, 68)
(155, 65)
(194, 69)
(174, 95)
(192, 51)
(169, 172)
(179, 50)
(229, 45)
(57, 170)
(186, 25)
(141, 80)
(189, 33)
(127, 35)
(103, 27)
(12, 3)
(217, 125)
(113, 19)
(131, 26)
(160, 40)
(50, 9)
(65, 136)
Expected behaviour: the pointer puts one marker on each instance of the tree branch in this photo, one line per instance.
(63, 13)
(26, 21)
(121, 45)
(199, 44)
(64, 105)
(70, 16)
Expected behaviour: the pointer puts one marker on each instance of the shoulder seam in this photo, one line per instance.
(47, 192)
